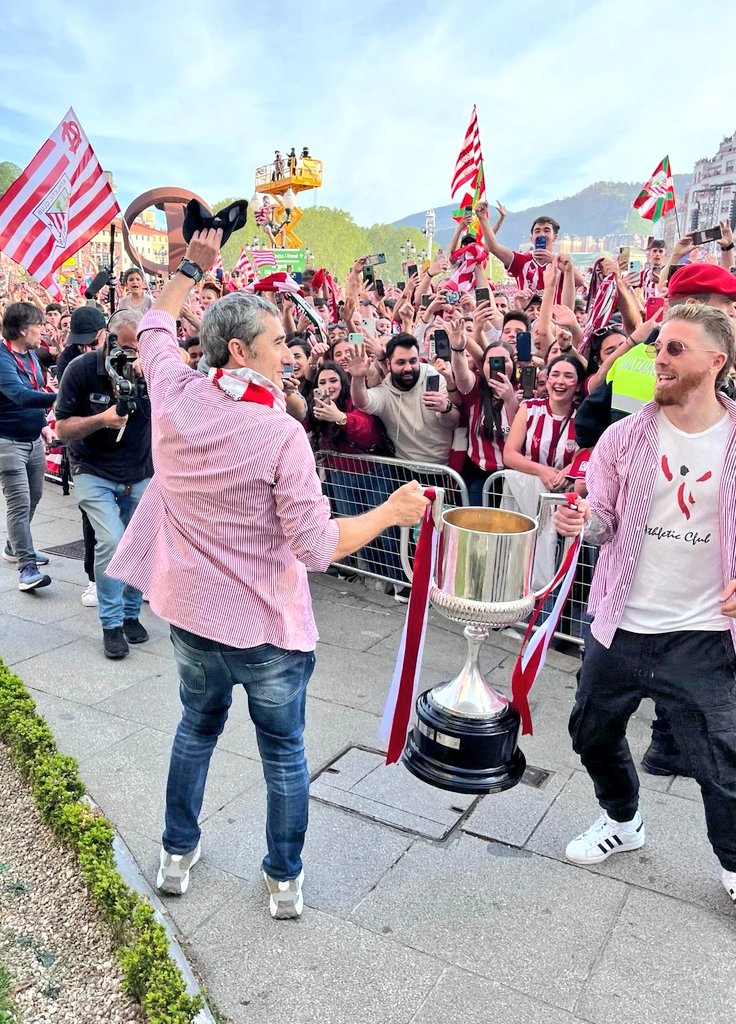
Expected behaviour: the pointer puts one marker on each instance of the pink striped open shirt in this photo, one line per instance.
(620, 478)
(234, 514)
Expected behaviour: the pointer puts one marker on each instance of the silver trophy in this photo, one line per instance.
(466, 734)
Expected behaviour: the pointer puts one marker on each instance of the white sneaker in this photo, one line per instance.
(89, 597)
(286, 898)
(173, 872)
(605, 837)
(729, 882)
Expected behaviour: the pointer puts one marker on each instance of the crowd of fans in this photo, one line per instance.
(443, 368)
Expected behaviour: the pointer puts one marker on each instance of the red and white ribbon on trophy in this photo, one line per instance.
(533, 653)
(397, 712)
(405, 681)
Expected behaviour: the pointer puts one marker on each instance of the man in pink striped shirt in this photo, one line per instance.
(662, 495)
(221, 543)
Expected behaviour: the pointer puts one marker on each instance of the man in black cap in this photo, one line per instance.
(87, 330)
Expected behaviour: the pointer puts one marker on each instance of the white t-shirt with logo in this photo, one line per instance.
(679, 575)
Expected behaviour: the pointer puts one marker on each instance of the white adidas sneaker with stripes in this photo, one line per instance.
(605, 837)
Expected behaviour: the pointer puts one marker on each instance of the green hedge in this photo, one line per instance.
(150, 975)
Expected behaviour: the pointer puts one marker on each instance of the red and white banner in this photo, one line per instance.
(59, 202)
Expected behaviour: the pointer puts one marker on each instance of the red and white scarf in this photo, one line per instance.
(278, 282)
(466, 260)
(602, 302)
(246, 385)
(322, 279)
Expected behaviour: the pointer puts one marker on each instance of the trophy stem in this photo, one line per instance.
(469, 693)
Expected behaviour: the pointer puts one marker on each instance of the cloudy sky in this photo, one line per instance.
(197, 94)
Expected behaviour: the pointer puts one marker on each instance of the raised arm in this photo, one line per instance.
(502, 252)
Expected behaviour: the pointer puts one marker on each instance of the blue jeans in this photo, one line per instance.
(22, 465)
(109, 507)
(275, 682)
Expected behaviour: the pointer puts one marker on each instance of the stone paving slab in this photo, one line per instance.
(498, 912)
(81, 730)
(79, 671)
(344, 856)
(664, 961)
(128, 780)
(511, 817)
(320, 970)
(52, 604)
(463, 996)
(210, 888)
(390, 794)
(677, 859)
(21, 639)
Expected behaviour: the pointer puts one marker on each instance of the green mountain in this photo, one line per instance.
(600, 209)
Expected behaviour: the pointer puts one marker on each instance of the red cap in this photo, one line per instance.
(579, 465)
(701, 279)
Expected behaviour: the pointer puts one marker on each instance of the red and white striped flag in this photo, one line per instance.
(59, 202)
(469, 166)
(217, 265)
(245, 266)
(263, 258)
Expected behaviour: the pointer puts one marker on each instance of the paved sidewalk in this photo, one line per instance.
(489, 924)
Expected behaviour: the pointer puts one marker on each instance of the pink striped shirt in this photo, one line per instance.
(621, 476)
(234, 514)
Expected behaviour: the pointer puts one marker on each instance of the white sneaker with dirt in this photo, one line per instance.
(729, 882)
(604, 837)
(89, 597)
(174, 868)
(286, 898)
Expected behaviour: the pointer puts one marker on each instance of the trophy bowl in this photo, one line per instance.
(466, 734)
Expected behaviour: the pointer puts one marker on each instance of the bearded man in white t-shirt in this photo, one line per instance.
(661, 502)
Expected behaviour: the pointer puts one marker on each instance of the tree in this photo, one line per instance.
(8, 173)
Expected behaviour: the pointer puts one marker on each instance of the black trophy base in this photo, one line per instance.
(463, 754)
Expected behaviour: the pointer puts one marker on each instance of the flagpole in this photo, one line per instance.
(111, 283)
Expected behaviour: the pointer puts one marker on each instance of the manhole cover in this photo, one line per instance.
(359, 781)
(73, 550)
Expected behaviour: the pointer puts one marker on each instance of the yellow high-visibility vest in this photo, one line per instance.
(632, 380)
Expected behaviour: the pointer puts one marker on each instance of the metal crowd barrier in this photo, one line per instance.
(573, 619)
(357, 483)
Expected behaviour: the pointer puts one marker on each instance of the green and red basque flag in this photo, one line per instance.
(657, 196)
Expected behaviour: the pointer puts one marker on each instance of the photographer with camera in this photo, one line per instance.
(104, 413)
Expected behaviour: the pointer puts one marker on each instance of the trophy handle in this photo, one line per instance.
(548, 502)
(437, 506)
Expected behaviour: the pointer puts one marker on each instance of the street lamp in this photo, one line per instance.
(289, 201)
(428, 230)
(254, 243)
(408, 249)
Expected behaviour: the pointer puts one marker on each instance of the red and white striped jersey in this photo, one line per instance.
(550, 439)
(485, 453)
(530, 274)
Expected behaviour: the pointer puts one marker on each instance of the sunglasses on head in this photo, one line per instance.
(604, 332)
(674, 348)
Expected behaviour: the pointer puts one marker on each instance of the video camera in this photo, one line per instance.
(129, 390)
